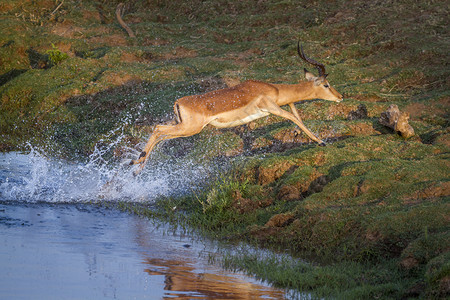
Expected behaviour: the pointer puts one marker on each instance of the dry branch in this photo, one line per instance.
(119, 12)
(58, 7)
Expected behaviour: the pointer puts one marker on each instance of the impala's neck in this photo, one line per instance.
(290, 93)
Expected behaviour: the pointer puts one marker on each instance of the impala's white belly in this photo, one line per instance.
(239, 119)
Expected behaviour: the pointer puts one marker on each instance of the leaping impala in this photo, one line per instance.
(242, 104)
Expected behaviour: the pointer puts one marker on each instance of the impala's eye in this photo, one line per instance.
(326, 85)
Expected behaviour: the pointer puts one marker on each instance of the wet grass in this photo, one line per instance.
(370, 208)
(344, 280)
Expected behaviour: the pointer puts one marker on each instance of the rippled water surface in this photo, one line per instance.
(53, 245)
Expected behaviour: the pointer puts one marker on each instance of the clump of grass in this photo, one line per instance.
(346, 280)
(56, 56)
(219, 197)
(437, 274)
(213, 211)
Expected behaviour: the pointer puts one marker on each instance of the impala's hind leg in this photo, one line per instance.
(154, 139)
(161, 133)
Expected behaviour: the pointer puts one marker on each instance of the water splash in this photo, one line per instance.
(33, 177)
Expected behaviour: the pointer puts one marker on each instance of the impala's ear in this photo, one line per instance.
(309, 76)
(320, 79)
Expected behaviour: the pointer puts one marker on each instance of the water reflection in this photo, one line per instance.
(84, 252)
(182, 281)
(182, 262)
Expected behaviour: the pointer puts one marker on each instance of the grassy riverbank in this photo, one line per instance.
(371, 208)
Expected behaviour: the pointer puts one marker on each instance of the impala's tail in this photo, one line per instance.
(176, 109)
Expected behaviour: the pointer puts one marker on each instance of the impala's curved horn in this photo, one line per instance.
(320, 67)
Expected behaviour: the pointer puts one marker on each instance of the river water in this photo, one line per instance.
(55, 245)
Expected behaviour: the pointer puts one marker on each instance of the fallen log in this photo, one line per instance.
(397, 120)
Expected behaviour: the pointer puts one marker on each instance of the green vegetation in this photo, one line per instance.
(55, 56)
(344, 280)
(371, 209)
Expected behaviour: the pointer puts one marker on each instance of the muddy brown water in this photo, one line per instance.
(75, 250)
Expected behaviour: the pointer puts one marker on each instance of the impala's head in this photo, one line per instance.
(321, 86)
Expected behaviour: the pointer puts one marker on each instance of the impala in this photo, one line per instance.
(242, 104)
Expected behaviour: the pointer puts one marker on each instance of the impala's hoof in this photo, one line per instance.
(322, 144)
(297, 132)
(132, 162)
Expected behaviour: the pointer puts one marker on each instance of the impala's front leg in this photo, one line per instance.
(273, 108)
(294, 110)
(306, 130)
